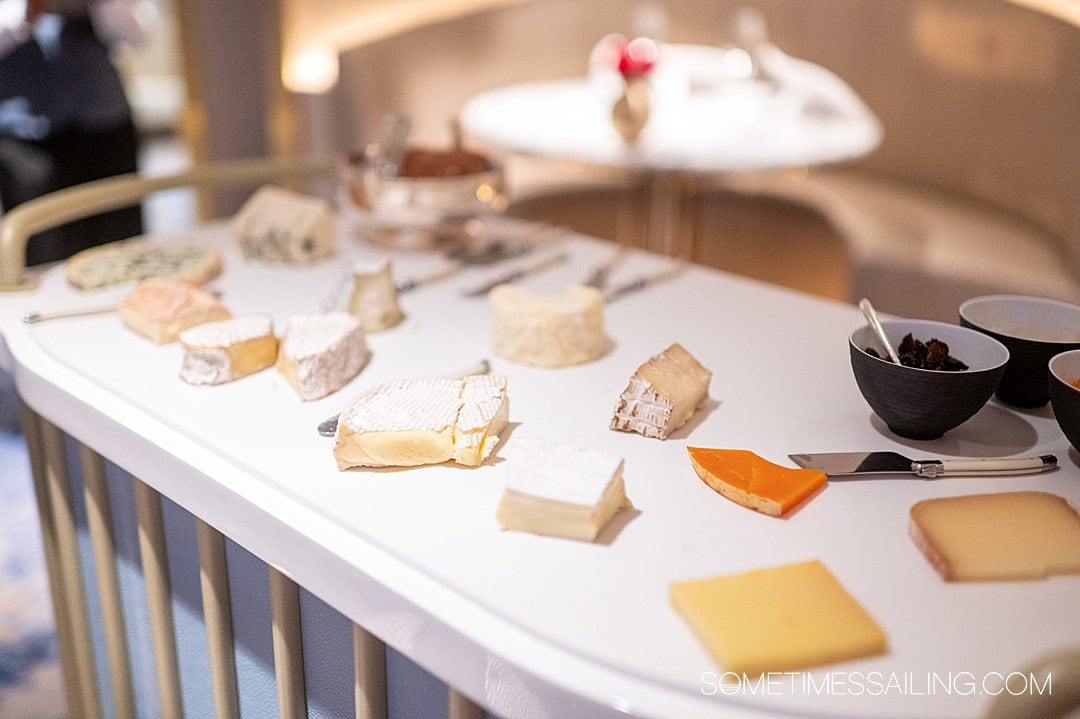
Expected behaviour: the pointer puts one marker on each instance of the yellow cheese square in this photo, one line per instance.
(778, 619)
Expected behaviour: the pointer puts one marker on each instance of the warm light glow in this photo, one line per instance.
(312, 70)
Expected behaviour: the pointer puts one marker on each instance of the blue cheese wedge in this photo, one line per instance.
(278, 225)
(423, 421)
(560, 490)
(127, 260)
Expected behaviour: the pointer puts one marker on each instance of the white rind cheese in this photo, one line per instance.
(547, 331)
(139, 259)
(282, 226)
(218, 352)
(423, 421)
(320, 354)
(374, 298)
(662, 394)
(559, 490)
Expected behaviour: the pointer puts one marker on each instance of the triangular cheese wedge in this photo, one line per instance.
(321, 353)
(754, 482)
(662, 394)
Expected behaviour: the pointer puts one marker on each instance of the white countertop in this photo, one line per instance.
(538, 626)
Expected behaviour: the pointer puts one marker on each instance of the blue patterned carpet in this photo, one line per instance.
(30, 681)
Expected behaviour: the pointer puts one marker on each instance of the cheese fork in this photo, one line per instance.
(328, 427)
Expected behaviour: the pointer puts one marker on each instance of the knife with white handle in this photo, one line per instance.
(853, 464)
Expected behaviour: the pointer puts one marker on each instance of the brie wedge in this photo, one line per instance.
(321, 353)
(218, 352)
(547, 331)
(560, 490)
(662, 394)
(423, 421)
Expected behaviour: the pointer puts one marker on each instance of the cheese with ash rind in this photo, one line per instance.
(662, 394)
(139, 259)
(374, 298)
(423, 421)
(560, 490)
(218, 352)
(279, 225)
(1005, 536)
(321, 353)
(547, 330)
(161, 308)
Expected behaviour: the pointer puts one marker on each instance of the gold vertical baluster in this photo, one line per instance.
(155, 566)
(369, 673)
(31, 428)
(103, 540)
(288, 646)
(461, 707)
(217, 615)
(67, 545)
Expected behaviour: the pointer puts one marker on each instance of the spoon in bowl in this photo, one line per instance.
(875, 324)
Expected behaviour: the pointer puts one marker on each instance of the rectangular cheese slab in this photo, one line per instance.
(779, 619)
(560, 490)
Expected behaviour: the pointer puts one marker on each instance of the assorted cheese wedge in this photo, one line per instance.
(161, 309)
(219, 352)
(998, 537)
(662, 394)
(560, 490)
(321, 353)
(139, 259)
(754, 482)
(777, 620)
(374, 297)
(547, 331)
(279, 225)
(423, 421)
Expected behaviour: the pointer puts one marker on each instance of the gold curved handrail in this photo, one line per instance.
(80, 201)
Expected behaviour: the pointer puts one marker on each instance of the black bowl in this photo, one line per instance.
(1034, 329)
(1064, 369)
(921, 403)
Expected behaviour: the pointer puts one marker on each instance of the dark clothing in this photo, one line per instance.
(78, 128)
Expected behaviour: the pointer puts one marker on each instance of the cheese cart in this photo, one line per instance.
(207, 555)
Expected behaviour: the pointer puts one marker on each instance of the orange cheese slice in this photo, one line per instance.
(754, 482)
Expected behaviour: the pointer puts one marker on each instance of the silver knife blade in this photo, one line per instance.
(848, 463)
(523, 270)
(644, 281)
(855, 464)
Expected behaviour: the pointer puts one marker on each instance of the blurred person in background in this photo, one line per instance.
(64, 117)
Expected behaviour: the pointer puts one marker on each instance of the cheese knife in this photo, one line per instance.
(524, 270)
(644, 281)
(857, 464)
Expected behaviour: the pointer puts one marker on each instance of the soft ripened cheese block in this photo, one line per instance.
(560, 490)
(547, 330)
(374, 298)
(161, 309)
(320, 353)
(753, 481)
(423, 421)
(996, 537)
(218, 352)
(139, 259)
(662, 394)
(278, 225)
(779, 619)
